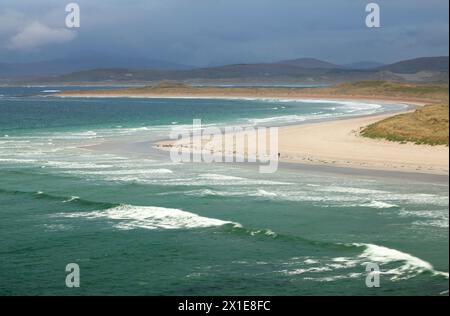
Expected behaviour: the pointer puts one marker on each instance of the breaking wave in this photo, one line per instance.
(151, 217)
(394, 264)
(411, 265)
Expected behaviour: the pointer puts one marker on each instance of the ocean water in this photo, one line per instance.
(138, 224)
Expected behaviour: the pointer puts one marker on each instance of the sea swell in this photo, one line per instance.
(127, 217)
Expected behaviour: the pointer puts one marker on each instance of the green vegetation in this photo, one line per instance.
(426, 125)
(438, 92)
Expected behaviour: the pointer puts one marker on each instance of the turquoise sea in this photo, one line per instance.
(138, 224)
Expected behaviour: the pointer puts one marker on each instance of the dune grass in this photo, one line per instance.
(432, 92)
(427, 125)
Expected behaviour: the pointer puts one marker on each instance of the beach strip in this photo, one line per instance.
(339, 143)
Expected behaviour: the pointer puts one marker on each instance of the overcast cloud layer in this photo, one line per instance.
(211, 32)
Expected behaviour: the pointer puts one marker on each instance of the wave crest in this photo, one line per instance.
(151, 217)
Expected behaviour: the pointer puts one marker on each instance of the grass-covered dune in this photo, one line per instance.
(363, 89)
(426, 125)
(437, 92)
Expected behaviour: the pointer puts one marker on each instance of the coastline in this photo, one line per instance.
(338, 143)
(335, 143)
(145, 148)
(411, 102)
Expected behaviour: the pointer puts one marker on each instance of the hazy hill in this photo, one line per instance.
(232, 74)
(310, 63)
(69, 65)
(432, 64)
(364, 65)
(431, 69)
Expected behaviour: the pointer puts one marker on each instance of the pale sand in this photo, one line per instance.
(332, 143)
(338, 143)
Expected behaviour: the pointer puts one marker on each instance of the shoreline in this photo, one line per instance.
(334, 143)
(337, 143)
(144, 148)
(411, 102)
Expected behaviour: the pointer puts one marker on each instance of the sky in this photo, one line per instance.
(216, 32)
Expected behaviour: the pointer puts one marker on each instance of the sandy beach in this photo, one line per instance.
(332, 143)
(339, 143)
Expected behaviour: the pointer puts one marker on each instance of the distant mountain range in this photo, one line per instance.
(435, 64)
(64, 66)
(310, 63)
(364, 65)
(296, 71)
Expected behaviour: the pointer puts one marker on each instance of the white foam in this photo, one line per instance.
(411, 266)
(212, 176)
(309, 196)
(200, 193)
(129, 172)
(151, 217)
(379, 204)
(209, 192)
(219, 179)
(17, 160)
(71, 199)
(76, 165)
(439, 214)
(343, 263)
(351, 190)
(266, 232)
(284, 118)
(349, 108)
(401, 265)
(306, 270)
(311, 265)
(432, 223)
(433, 218)
(418, 198)
(264, 193)
(88, 133)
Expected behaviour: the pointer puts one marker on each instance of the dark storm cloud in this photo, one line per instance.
(203, 32)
